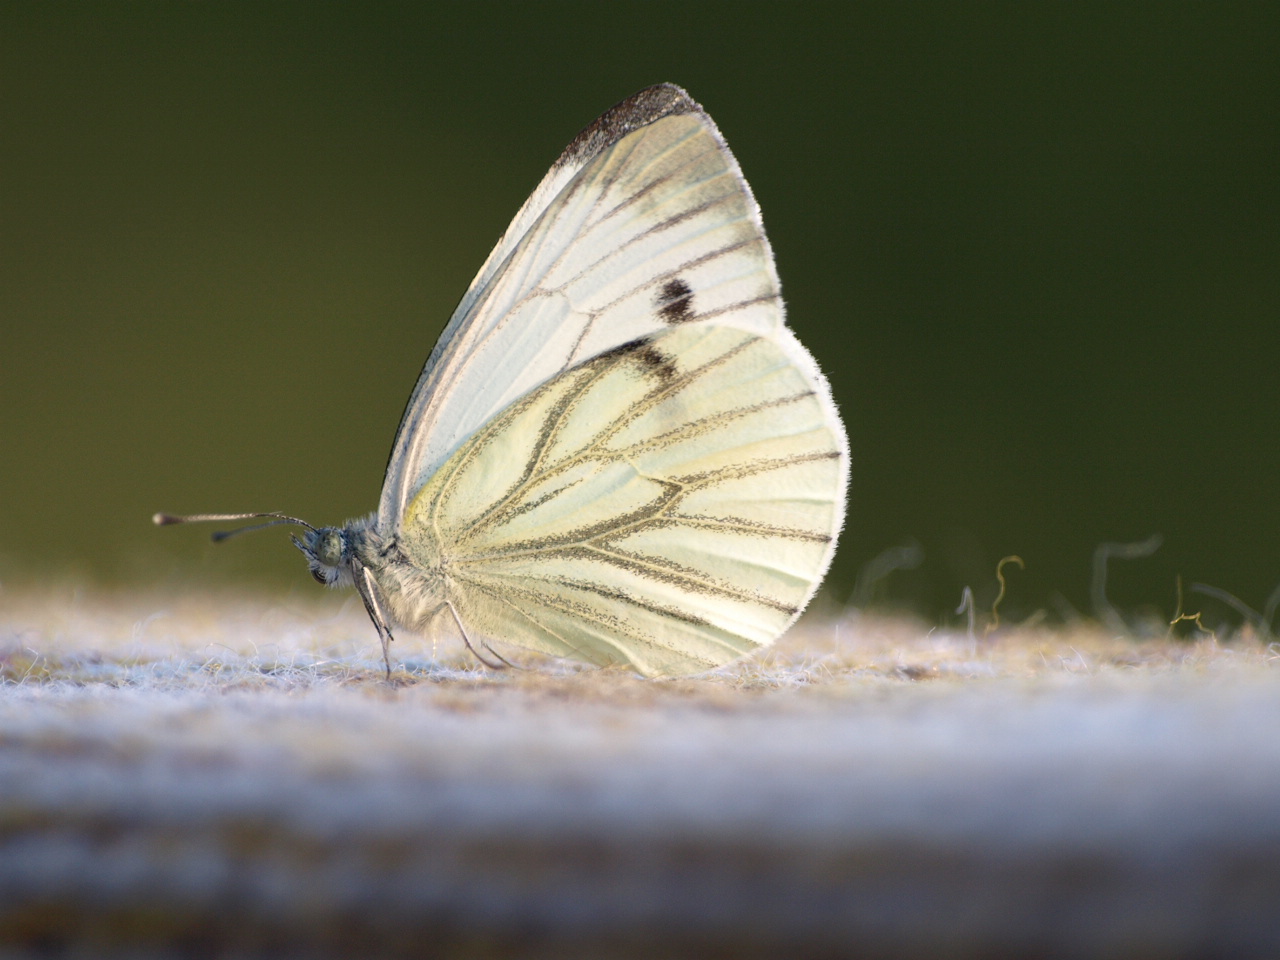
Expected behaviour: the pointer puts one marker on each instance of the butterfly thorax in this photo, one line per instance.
(410, 588)
(410, 583)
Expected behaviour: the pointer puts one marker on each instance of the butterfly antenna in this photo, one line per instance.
(277, 519)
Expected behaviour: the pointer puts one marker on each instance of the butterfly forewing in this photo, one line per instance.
(643, 224)
(681, 531)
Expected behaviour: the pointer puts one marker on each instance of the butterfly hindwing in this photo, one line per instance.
(687, 530)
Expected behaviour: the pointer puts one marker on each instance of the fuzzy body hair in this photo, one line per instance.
(412, 589)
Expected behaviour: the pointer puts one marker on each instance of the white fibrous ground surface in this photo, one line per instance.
(221, 775)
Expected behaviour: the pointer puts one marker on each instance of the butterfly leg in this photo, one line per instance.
(369, 594)
(474, 652)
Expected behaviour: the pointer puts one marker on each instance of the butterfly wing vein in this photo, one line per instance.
(617, 451)
(674, 536)
(666, 201)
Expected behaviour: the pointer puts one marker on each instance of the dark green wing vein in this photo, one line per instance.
(658, 279)
(575, 384)
(655, 513)
(607, 629)
(706, 425)
(666, 223)
(669, 503)
(755, 467)
(596, 213)
(560, 409)
(639, 196)
(686, 578)
(509, 507)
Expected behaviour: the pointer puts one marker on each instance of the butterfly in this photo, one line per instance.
(617, 451)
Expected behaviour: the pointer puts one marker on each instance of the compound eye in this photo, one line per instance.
(329, 549)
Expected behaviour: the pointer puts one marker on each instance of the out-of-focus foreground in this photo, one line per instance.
(218, 776)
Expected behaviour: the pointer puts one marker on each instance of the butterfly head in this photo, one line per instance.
(328, 553)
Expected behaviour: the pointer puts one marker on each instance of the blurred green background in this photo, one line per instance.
(1035, 246)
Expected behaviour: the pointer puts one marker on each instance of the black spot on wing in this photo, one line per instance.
(675, 302)
(656, 362)
(648, 106)
(642, 351)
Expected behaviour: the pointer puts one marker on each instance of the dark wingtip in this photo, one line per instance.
(639, 110)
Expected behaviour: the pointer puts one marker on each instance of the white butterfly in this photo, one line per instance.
(617, 451)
